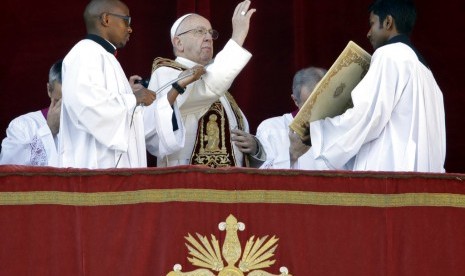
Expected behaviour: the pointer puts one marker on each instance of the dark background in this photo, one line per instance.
(284, 37)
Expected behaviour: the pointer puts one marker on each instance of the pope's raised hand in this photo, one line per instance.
(241, 21)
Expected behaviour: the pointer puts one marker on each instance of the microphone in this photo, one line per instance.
(172, 81)
(144, 82)
(180, 78)
(156, 93)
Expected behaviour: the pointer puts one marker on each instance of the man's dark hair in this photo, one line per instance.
(55, 72)
(94, 10)
(403, 12)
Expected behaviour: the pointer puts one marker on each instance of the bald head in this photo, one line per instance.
(94, 9)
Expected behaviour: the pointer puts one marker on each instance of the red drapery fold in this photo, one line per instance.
(201, 7)
(284, 36)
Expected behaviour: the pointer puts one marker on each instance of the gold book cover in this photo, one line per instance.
(332, 95)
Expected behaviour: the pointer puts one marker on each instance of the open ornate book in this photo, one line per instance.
(332, 95)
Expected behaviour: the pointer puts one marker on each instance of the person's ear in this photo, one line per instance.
(389, 23)
(295, 100)
(104, 19)
(177, 43)
(49, 90)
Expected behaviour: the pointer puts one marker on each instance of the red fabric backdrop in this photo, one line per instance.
(133, 222)
(284, 37)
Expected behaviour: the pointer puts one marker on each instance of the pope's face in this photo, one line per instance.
(194, 45)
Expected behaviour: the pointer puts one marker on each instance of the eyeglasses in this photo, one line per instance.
(127, 19)
(202, 32)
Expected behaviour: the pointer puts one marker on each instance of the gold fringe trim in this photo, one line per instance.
(160, 62)
(231, 197)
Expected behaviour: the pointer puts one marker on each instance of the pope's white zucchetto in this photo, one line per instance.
(176, 24)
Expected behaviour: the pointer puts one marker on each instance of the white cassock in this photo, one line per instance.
(397, 122)
(198, 97)
(101, 127)
(273, 134)
(29, 142)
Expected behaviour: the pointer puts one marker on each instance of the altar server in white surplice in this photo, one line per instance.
(102, 117)
(32, 138)
(283, 148)
(205, 101)
(397, 122)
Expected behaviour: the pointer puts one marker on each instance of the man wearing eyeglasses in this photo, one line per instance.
(102, 121)
(192, 38)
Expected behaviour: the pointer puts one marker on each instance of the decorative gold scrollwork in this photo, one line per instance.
(207, 255)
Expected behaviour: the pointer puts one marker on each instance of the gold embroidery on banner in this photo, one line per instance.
(231, 197)
(206, 254)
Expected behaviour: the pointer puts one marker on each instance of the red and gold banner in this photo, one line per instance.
(254, 222)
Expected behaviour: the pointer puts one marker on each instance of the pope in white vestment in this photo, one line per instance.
(199, 95)
(192, 38)
(29, 141)
(397, 122)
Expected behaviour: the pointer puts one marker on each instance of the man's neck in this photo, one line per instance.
(186, 61)
(103, 42)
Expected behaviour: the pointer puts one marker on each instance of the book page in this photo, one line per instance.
(332, 95)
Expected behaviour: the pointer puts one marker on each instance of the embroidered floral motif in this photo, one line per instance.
(38, 154)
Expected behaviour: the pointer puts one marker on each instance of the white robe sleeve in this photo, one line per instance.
(273, 135)
(218, 78)
(161, 138)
